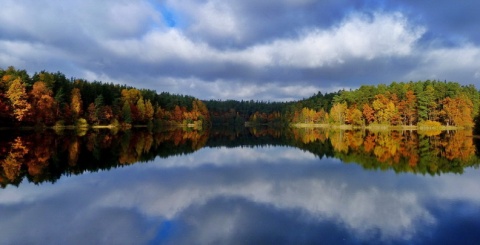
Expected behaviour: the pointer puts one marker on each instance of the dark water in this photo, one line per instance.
(256, 186)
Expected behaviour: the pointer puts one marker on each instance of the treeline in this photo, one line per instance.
(48, 99)
(319, 102)
(233, 112)
(429, 103)
(423, 103)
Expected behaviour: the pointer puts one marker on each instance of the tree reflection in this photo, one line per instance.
(47, 156)
(13, 162)
(403, 151)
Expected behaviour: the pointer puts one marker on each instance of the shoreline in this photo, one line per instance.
(83, 127)
(374, 127)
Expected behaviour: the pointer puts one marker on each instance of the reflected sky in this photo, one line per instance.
(269, 195)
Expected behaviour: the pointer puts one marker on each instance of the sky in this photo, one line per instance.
(266, 50)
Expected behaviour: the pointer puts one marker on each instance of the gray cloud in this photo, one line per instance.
(264, 49)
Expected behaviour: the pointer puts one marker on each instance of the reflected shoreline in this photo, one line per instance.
(47, 156)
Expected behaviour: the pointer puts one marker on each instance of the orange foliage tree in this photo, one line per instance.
(43, 103)
(76, 103)
(18, 98)
(368, 114)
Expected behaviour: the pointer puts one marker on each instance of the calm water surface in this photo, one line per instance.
(264, 194)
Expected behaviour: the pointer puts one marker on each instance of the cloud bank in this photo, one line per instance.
(266, 50)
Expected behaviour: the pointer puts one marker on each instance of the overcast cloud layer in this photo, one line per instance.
(244, 49)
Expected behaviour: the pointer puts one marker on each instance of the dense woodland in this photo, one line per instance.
(429, 103)
(232, 112)
(423, 103)
(48, 99)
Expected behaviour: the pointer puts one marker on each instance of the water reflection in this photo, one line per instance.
(46, 156)
(229, 197)
(428, 152)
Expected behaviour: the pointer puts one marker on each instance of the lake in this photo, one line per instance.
(249, 186)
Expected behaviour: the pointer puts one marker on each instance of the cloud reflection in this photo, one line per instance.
(238, 196)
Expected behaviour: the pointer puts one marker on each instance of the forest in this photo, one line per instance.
(427, 103)
(232, 112)
(50, 99)
(423, 103)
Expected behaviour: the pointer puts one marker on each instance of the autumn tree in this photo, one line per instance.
(467, 107)
(106, 114)
(160, 113)
(338, 112)
(202, 108)
(149, 111)
(76, 103)
(368, 114)
(92, 113)
(457, 111)
(354, 116)
(408, 107)
(395, 106)
(308, 115)
(384, 108)
(141, 110)
(44, 106)
(130, 95)
(320, 117)
(177, 114)
(18, 99)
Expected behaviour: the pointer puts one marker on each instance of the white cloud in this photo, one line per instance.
(49, 21)
(238, 157)
(215, 52)
(27, 54)
(159, 46)
(364, 209)
(356, 37)
(215, 19)
(454, 63)
(240, 90)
